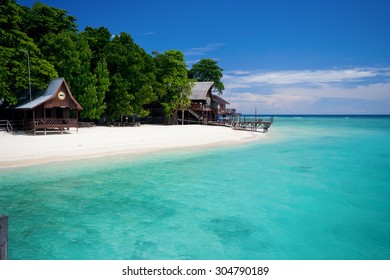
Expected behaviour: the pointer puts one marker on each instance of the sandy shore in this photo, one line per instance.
(22, 150)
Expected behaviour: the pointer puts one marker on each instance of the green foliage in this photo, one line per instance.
(102, 87)
(11, 24)
(95, 92)
(173, 83)
(14, 47)
(97, 39)
(110, 77)
(73, 63)
(207, 70)
(119, 98)
(69, 53)
(132, 78)
(43, 19)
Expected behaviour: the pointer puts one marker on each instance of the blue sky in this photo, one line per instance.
(280, 56)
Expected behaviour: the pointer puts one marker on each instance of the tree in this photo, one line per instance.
(132, 77)
(14, 47)
(118, 99)
(43, 19)
(97, 39)
(174, 86)
(102, 87)
(73, 63)
(70, 61)
(207, 70)
(94, 92)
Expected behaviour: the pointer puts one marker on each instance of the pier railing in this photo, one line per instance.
(242, 123)
(230, 111)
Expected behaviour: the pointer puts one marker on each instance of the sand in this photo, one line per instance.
(24, 149)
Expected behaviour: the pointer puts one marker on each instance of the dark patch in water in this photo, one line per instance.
(235, 232)
(383, 156)
(302, 168)
(143, 249)
(230, 228)
(153, 209)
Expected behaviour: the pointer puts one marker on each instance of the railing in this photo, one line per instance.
(64, 122)
(251, 124)
(6, 125)
(195, 106)
(230, 111)
(87, 124)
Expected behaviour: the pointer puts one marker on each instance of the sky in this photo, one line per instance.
(279, 56)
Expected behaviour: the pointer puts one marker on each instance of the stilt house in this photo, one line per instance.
(205, 106)
(53, 108)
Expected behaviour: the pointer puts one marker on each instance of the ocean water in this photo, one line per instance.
(314, 188)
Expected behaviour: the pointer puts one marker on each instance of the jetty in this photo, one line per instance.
(250, 123)
(209, 109)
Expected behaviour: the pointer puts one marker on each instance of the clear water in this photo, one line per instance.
(315, 188)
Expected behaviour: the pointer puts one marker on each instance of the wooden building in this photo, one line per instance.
(205, 106)
(201, 97)
(218, 106)
(51, 109)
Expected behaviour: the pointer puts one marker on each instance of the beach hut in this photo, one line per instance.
(206, 106)
(201, 98)
(51, 109)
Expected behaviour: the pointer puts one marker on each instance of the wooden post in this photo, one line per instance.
(3, 237)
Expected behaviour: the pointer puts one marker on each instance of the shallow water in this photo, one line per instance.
(315, 188)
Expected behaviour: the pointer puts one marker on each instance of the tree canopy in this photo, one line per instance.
(207, 70)
(110, 76)
(174, 85)
(16, 47)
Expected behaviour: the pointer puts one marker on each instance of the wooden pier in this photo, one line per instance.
(258, 125)
(242, 123)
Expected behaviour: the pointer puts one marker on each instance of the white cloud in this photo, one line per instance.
(203, 50)
(360, 90)
(379, 91)
(243, 78)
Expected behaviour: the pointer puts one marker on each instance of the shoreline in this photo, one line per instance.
(20, 150)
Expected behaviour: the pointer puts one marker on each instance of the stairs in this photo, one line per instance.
(194, 114)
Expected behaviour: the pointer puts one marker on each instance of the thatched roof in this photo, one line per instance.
(200, 89)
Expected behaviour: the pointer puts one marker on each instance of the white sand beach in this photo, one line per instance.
(25, 149)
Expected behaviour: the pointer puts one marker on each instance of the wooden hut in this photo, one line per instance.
(51, 109)
(201, 98)
(205, 106)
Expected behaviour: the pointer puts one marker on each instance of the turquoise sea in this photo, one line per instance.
(316, 187)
